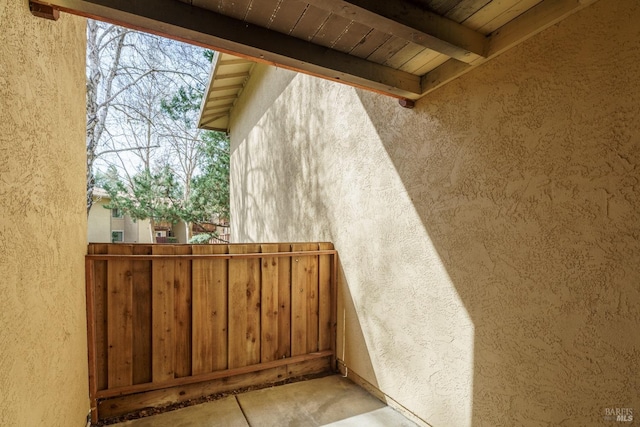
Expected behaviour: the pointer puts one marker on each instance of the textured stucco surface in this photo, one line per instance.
(489, 238)
(43, 353)
(99, 223)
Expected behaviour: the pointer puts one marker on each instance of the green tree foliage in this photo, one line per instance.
(183, 104)
(153, 196)
(161, 167)
(209, 198)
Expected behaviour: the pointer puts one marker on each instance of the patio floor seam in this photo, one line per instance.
(242, 410)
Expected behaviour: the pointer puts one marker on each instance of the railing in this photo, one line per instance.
(173, 322)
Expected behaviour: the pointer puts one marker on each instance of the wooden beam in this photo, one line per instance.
(231, 75)
(207, 120)
(209, 108)
(43, 10)
(182, 21)
(220, 98)
(239, 61)
(215, 111)
(535, 20)
(221, 88)
(410, 22)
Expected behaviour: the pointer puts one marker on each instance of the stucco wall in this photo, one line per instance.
(43, 226)
(489, 238)
(99, 223)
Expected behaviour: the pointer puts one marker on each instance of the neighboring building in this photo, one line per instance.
(112, 225)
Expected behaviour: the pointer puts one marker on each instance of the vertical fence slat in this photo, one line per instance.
(141, 316)
(244, 308)
(210, 341)
(324, 298)
(284, 303)
(312, 300)
(119, 315)
(182, 313)
(269, 305)
(162, 311)
(219, 296)
(100, 312)
(298, 304)
(202, 333)
(304, 289)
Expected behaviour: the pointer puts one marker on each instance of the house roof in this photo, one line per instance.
(229, 74)
(401, 48)
(100, 193)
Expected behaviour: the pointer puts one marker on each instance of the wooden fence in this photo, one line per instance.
(168, 323)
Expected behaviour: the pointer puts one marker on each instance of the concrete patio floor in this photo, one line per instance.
(330, 401)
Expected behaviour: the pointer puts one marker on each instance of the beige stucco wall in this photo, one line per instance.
(489, 238)
(43, 226)
(99, 223)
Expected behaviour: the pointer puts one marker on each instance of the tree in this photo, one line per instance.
(206, 195)
(144, 95)
(153, 196)
(104, 50)
(128, 75)
(209, 199)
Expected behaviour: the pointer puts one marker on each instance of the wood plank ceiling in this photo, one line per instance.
(401, 48)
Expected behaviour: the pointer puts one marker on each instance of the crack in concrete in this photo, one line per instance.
(242, 410)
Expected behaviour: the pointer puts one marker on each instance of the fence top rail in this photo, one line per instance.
(106, 257)
(207, 244)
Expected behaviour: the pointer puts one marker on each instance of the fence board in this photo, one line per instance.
(244, 307)
(141, 316)
(269, 305)
(312, 300)
(100, 313)
(119, 312)
(284, 303)
(209, 310)
(304, 307)
(324, 298)
(182, 312)
(163, 334)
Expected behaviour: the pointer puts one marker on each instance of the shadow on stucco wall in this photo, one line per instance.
(526, 180)
(298, 191)
(298, 212)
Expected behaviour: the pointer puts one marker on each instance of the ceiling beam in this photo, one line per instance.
(232, 75)
(537, 19)
(228, 87)
(208, 124)
(234, 62)
(216, 109)
(214, 115)
(412, 23)
(181, 21)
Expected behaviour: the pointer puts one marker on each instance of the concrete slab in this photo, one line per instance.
(219, 413)
(309, 403)
(383, 417)
(331, 401)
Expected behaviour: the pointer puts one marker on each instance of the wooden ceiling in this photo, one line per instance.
(401, 48)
